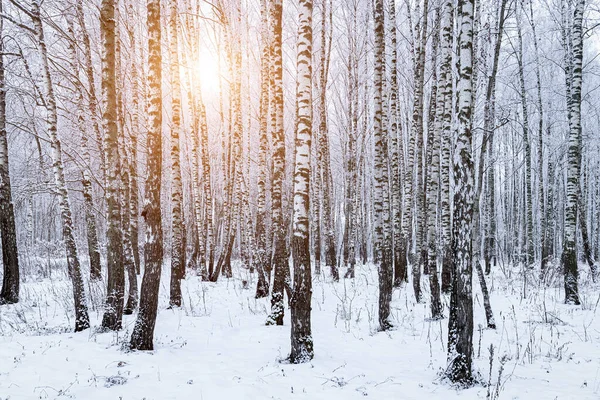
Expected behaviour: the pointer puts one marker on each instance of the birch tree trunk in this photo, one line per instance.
(383, 238)
(128, 252)
(133, 144)
(143, 331)
(10, 255)
(279, 258)
(113, 313)
(548, 250)
(207, 228)
(178, 254)
(418, 139)
(445, 88)
(317, 197)
(569, 256)
(409, 171)
(351, 190)
(428, 151)
(315, 203)
(300, 304)
(197, 187)
(460, 324)
(262, 260)
(585, 239)
(433, 176)
(82, 320)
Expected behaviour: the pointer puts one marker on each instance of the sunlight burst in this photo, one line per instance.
(207, 71)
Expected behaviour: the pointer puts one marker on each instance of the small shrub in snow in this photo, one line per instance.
(114, 380)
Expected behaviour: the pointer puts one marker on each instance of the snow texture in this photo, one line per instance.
(216, 346)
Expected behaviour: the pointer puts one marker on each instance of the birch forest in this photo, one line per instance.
(313, 199)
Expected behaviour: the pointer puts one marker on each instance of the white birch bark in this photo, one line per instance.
(261, 260)
(113, 312)
(143, 332)
(178, 254)
(300, 303)
(445, 88)
(10, 255)
(279, 257)
(569, 256)
(381, 196)
(460, 324)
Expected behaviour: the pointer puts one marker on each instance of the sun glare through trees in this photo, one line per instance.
(206, 70)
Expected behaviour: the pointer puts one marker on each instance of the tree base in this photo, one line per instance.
(140, 343)
(8, 300)
(302, 351)
(81, 326)
(385, 326)
(459, 375)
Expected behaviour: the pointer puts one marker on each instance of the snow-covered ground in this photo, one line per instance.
(218, 347)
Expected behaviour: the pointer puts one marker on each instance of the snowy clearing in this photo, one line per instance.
(217, 346)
